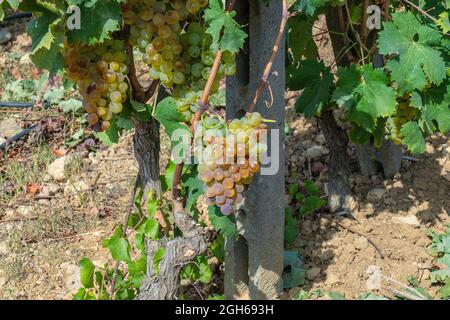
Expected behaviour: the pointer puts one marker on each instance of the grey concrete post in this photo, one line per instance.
(254, 262)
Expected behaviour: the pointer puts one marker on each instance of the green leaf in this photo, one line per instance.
(72, 106)
(118, 246)
(198, 270)
(311, 187)
(437, 117)
(87, 273)
(167, 114)
(169, 173)
(226, 33)
(99, 20)
(414, 44)
(222, 223)
(371, 296)
(316, 81)
(46, 32)
(336, 295)
(290, 227)
(124, 123)
(157, 258)
(310, 7)
(366, 94)
(413, 137)
(152, 229)
(216, 297)
(194, 189)
(311, 204)
(218, 248)
(293, 189)
(358, 135)
(300, 38)
(138, 267)
(110, 136)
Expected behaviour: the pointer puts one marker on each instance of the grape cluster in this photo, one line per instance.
(230, 161)
(174, 44)
(100, 74)
(404, 113)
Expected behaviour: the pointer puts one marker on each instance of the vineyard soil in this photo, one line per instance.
(42, 241)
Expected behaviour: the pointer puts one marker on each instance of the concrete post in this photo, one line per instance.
(254, 262)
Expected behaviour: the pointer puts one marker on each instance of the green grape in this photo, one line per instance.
(194, 52)
(196, 69)
(194, 39)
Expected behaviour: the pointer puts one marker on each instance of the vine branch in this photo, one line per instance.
(130, 207)
(268, 68)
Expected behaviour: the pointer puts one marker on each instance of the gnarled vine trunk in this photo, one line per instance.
(339, 188)
(164, 284)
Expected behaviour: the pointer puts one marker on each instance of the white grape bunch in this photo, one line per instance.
(100, 74)
(230, 161)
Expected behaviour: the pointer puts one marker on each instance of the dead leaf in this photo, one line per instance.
(33, 188)
(59, 152)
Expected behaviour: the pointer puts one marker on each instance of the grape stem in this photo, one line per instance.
(203, 104)
(268, 68)
(139, 94)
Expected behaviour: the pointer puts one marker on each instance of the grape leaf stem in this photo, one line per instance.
(268, 68)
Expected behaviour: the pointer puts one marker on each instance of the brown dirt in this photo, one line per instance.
(419, 191)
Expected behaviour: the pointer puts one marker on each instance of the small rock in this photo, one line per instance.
(316, 152)
(320, 138)
(5, 35)
(9, 128)
(53, 188)
(447, 176)
(398, 185)
(427, 216)
(332, 279)
(361, 243)
(77, 187)
(71, 273)
(2, 140)
(3, 279)
(4, 248)
(426, 274)
(375, 195)
(410, 219)
(25, 59)
(56, 169)
(312, 273)
(24, 211)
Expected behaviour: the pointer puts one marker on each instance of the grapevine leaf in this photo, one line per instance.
(413, 137)
(366, 94)
(222, 223)
(290, 228)
(358, 135)
(439, 114)
(417, 58)
(316, 81)
(110, 136)
(219, 21)
(167, 114)
(157, 258)
(310, 7)
(124, 123)
(99, 20)
(47, 40)
(87, 273)
(300, 38)
(444, 22)
(152, 229)
(118, 246)
(194, 190)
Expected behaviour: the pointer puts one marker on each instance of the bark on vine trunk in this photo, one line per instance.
(163, 285)
(339, 188)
